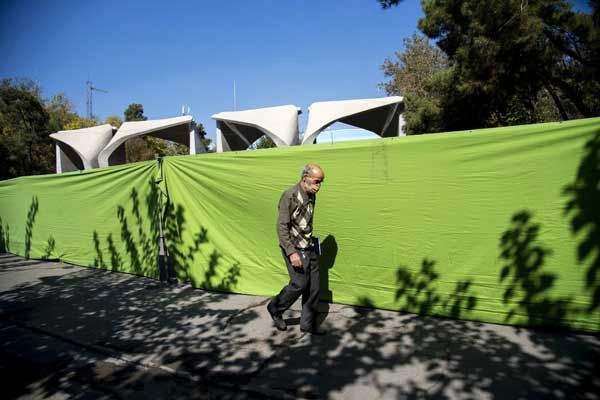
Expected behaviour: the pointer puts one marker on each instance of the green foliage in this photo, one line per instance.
(506, 52)
(389, 3)
(206, 142)
(138, 148)
(78, 122)
(114, 120)
(26, 120)
(62, 115)
(163, 147)
(135, 112)
(414, 67)
(265, 142)
(60, 111)
(509, 62)
(418, 74)
(148, 147)
(25, 147)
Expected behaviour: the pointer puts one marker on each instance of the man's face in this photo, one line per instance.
(313, 181)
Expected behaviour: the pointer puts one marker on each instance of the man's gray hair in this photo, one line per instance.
(308, 168)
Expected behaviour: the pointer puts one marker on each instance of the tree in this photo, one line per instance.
(137, 149)
(62, 115)
(265, 142)
(25, 147)
(416, 74)
(509, 60)
(148, 147)
(114, 120)
(208, 145)
(414, 67)
(78, 122)
(206, 142)
(512, 50)
(135, 112)
(60, 111)
(389, 3)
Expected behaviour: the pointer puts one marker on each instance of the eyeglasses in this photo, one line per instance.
(315, 181)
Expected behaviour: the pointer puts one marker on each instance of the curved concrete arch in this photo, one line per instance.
(78, 149)
(380, 115)
(237, 130)
(179, 129)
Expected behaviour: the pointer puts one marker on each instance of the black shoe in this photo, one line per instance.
(277, 320)
(312, 331)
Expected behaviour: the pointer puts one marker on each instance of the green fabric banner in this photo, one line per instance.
(497, 225)
(105, 218)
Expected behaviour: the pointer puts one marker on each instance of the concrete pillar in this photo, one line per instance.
(59, 155)
(222, 144)
(196, 146)
(401, 124)
(64, 162)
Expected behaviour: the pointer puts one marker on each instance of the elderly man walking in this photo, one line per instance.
(299, 250)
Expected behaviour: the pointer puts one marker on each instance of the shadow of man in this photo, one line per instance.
(329, 250)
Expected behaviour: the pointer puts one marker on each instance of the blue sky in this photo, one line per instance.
(345, 134)
(169, 53)
(163, 54)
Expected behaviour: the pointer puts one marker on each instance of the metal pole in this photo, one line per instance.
(165, 263)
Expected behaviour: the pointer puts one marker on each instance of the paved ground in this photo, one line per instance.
(77, 333)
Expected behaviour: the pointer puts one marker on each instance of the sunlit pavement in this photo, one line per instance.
(68, 332)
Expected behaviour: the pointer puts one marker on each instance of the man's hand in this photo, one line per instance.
(296, 260)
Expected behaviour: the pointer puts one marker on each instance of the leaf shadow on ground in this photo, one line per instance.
(152, 323)
(209, 336)
(448, 358)
(410, 356)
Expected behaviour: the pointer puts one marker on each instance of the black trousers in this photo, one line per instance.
(303, 282)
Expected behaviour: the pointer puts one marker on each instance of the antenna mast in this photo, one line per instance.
(89, 104)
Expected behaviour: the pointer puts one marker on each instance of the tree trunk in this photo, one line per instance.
(572, 94)
(557, 102)
(30, 155)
